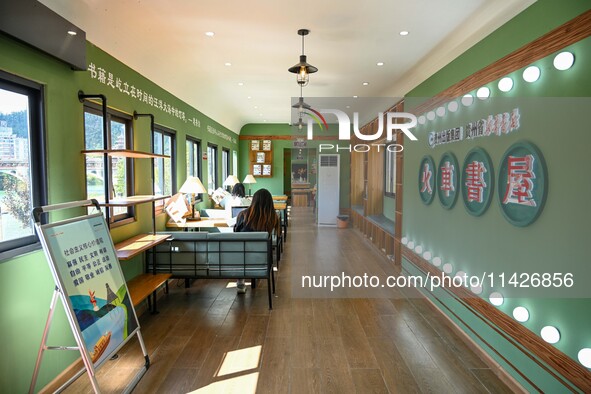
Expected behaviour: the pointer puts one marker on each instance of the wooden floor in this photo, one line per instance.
(208, 339)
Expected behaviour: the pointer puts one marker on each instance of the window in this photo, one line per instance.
(235, 162)
(22, 163)
(212, 168)
(194, 161)
(225, 163)
(120, 168)
(390, 179)
(164, 168)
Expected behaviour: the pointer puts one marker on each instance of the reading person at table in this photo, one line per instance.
(236, 199)
(259, 216)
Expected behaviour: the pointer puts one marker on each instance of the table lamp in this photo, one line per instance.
(192, 186)
(230, 181)
(249, 179)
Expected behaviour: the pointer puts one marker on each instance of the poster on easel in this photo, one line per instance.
(89, 273)
(89, 282)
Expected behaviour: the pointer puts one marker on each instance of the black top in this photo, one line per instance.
(241, 226)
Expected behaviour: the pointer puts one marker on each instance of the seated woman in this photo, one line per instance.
(236, 199)
(259, 216)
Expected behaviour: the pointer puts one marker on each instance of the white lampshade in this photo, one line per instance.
(231, 180)
(192, 186)
(249, 179)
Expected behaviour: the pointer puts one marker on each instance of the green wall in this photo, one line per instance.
(26, 284)
(275, 183)
(557, 241)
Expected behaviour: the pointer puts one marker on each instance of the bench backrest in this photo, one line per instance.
(184, 254)
(238, 251)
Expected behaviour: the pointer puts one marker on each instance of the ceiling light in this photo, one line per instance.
(440, 111)
(303, 69)
(427, 255)
(419, 249)
(467, 100)
(209, 33)
(564, 61)
(505, 84)
(496, 298)
(355, 96)
(72, 32)
(531, 74)
(240, 83)
(584, 357)
(476, 289)
(348, 106)
(228, 64)
(550, 334)
(483, 93)
(430, 115)
(436, 261)
(410, 245)
(452, 106)
(404, 240)
(256, 107)
(380, 64)
(365, 83)
(404, 33)
(249, 97)
(448, 268)
(422, 119)
(521, 314)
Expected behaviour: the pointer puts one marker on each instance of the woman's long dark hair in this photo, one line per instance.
(261, 215)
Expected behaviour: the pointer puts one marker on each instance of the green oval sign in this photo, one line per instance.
(523, 184)
(447, 180)
(427, 180)
(477, 181)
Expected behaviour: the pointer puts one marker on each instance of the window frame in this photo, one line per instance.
(225, 163)
(195, 142)
(212, 150)
(37, 158)
(94, 108)
(390, 169)
(165, 132)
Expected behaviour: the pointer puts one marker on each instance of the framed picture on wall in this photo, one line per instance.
(267, 145)
(255, 145)
(256, 170)
(390, 174)
(266, 169)
(299, 172)
(260, 157)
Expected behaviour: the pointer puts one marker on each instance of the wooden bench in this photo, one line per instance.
(378, 228)
(145, 285)
(200, 255)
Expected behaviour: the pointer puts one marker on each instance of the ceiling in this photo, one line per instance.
(166, 42)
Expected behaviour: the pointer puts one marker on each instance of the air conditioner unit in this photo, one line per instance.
(327, 195)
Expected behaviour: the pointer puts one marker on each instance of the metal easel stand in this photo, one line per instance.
(58, 293)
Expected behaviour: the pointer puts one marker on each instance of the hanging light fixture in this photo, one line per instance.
(303, 69)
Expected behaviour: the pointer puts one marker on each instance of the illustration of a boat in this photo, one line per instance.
(100, 346)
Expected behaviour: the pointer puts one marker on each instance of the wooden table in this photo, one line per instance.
(280, 198)
(203, 223)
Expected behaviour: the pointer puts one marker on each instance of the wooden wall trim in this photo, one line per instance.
(288, 137)
(564, 35)
(568, 368)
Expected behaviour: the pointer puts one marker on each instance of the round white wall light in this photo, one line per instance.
(483, 93)
(436, 261)
(452, 106)
(521, 314)
(427, 256)
(430, 115)
(585, 357)
(476, 289)
(410, 245)
(505, 84)
(496, 298)
(422, 119)
(419, 249)
(564, 61)
(404, 240)
(440, 111)
(448, 268)
(531, 74)
(550, 334)
(467, 100)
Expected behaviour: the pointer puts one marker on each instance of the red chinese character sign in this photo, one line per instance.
(447, 180)
(477, 181)
(427, 180)
(523, 184)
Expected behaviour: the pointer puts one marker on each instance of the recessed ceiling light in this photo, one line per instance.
(550, 334)
(355, 96)
(264, 120)
(240, 83)
(348, 106)
(365, 83)
(380, 64)
(404, 33)
(249, 97)
(209, 33)
(531, 74)
(72, 32)
(227, 64)
(505, 84)
(483, 93)
(564, 61)
(256, 107)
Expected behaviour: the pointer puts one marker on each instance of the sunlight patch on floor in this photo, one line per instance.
(240, 360)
